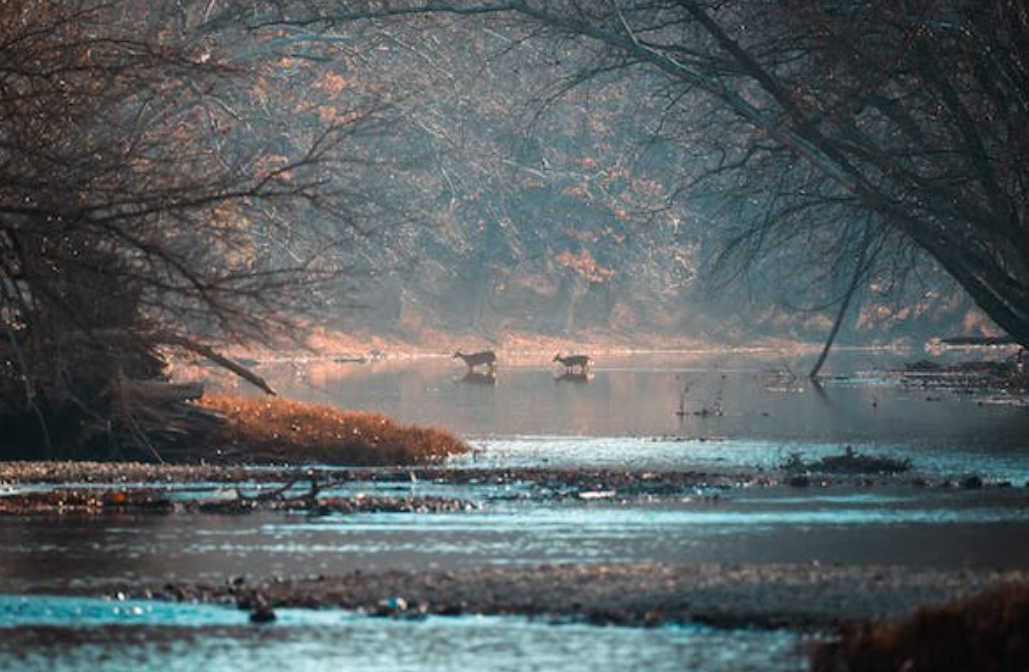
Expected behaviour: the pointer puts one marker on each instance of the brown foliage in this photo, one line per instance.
(280, 430)
(986, 633)
(879, 131)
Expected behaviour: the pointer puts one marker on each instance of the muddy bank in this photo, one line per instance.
(773, 593)
(34, 488)
(137, 472)
(1008, 376)
(555, 482)
(305, 494)
(810, 597)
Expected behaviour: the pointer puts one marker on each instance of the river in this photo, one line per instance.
(728, 413)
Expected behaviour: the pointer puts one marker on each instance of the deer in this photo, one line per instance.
(572, 362)
(476, 359)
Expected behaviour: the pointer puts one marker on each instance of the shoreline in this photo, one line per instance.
(626, 482)
(804, 597)
(823, 600)
(826, 600)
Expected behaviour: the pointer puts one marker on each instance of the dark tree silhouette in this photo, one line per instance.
(130, 223)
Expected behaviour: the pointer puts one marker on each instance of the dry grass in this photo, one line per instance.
(280, 430)
(985, 633)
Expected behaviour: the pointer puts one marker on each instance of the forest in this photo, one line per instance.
(514, 335)
(190, 177)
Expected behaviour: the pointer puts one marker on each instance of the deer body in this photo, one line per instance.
(476, 359)
(572, 362)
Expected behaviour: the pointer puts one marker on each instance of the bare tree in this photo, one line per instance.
(908, 115)
(132, 221)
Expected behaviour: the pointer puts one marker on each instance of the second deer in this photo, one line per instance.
(485, 358)
(581, 362)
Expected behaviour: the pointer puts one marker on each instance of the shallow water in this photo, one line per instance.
(61, 634)
(737, 411)
(944, 528)
(741, 455)
(625, 417)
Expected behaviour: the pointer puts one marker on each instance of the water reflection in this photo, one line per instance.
(724, 396)
(573, 377)
(476, 378)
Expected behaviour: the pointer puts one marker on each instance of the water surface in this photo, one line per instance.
(685, 411)
(723, 413)
(900, 526)
(48, 634)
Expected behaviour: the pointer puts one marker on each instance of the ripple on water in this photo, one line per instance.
(730, 455)
(60, 634)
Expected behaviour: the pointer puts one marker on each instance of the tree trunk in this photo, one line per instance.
(840, 314)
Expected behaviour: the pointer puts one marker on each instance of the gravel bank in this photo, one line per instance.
(767, 596)
(807, 596)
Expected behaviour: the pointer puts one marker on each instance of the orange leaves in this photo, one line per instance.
(650, 187)
(585, 265)
(332, 83)
(270, 164)
(325, 434)
(587, 236)
(262, 91)
(614, 174)
(577, 191)
(327, 115)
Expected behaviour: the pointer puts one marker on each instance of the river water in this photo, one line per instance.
(725, 413)
(702, 410)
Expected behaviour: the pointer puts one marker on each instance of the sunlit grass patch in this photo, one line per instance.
(986, 633)
(280, 430)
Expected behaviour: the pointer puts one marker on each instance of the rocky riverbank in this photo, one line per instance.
(809, 596)
(542, 482)
(824, 598)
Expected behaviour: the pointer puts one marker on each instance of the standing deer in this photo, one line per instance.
(476, 359)
(572, 362)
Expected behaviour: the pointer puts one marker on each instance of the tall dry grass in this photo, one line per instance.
(280, 430)
(988, 632)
